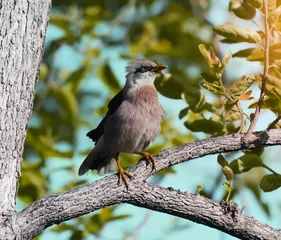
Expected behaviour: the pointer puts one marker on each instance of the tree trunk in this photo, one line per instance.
(22, 34)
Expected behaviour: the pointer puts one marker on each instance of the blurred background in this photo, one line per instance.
(88, 44)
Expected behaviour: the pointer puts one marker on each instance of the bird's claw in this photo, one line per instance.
(148, 156)
(122, 176)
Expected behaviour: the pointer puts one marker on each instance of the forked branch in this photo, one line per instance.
(226, 217)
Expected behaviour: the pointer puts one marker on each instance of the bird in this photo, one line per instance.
(131, 123)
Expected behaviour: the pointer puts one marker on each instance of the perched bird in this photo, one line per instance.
(131, 123)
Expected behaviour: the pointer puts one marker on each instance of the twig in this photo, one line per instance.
(271, 125)
(265, 73)
(135, 233)
(269, 169)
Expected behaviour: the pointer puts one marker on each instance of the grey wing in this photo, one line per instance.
(96, 133)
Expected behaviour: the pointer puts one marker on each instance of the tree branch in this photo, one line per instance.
(265, 73)
(226, 217)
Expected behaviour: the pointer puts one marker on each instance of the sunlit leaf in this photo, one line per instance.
(255, 3)
(275, 15)
(228, 173)
(234, 32)
(242, 84)
(246, 163)
(271, 5)
(242, 9)
(209, 56)
(225, 60)
(244, 53)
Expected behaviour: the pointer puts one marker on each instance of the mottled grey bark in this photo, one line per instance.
(22, 33)
(226, 217)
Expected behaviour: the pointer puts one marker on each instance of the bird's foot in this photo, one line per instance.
(148, 156)
(122, 174)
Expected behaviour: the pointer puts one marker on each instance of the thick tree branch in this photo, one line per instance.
(105, 192)
(22, 34)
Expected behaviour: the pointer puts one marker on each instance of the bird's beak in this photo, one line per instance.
(158, 68)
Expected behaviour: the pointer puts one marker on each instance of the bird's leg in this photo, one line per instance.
(122, 173)
(148, 156)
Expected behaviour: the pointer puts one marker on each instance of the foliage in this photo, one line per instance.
(172, 32)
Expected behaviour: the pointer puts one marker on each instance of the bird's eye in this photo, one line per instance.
(143, 69)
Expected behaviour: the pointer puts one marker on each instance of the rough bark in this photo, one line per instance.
(226, 217)
(22, 34)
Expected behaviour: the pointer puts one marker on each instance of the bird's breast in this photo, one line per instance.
(137, 121)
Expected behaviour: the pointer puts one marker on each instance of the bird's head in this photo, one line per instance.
(142, 71)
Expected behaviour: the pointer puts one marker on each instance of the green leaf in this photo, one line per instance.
(222, 161)
(270, 182)
(210, 78)
(215, 88)
(255, 3)
(227, 186)
(212, 84)
(65, 98)
(242, 9)
(228, 173)
(229, 41)
(273, 85)
(109, 79)
(61, 20)
(246, 163)
(204, 125)
(77, 235)
(195, 99)
(199, 189)
(183, 112)
(270, 102)
(241, 85)
(209, 56)
(237, 33)
(206, 55)
(62, 228)
(244, 53)
(169, 85)
(231, 112)
(76, 77)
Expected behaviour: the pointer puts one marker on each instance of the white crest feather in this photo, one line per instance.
(135, 64)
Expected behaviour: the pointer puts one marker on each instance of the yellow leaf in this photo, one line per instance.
(255, 3)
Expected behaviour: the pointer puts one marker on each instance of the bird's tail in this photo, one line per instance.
(96, 161)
